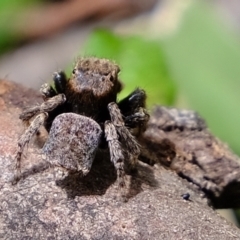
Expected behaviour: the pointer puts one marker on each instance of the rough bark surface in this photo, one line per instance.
(48, 204)
(180, 140)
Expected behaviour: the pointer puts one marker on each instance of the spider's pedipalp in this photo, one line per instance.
(60, 81)
(133, 102)
(47, 91)
(133, 109)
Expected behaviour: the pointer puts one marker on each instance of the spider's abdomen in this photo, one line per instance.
(72, 142)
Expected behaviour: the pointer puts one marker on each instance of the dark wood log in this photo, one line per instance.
(47, 204)
(181, 141)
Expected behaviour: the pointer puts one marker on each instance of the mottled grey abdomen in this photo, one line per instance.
(72, 142)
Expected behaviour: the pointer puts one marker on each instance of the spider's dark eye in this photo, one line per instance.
(111, 78)
(74, 71)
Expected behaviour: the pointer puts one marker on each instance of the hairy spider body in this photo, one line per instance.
(77, 111)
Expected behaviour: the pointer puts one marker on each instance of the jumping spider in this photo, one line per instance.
(82, 114)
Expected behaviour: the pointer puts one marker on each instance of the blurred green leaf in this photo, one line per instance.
(204, 58)
(142, 63)
(10, 11)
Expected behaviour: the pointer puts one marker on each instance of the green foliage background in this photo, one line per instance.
(204, 58)
(142, 63)
(10, 13)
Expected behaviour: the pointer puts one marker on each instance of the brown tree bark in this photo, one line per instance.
(45, 204)
(181, 141)
(47, 19)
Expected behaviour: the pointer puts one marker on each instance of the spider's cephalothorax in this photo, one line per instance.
(93, 85)
(81, 113)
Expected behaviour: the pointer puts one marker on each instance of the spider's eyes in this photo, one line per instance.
(111, 78)
(74, 71)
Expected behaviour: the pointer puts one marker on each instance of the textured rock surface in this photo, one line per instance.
(47, 204)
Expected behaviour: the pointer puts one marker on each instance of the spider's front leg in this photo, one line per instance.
(126, 137)
(25, 139)
(115, 130)
(46, 106)
(116, 153)
(52, 97)
(41, 113)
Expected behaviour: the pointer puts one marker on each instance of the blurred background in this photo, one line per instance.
(185, 53)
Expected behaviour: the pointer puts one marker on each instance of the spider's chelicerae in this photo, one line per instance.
(82, 114)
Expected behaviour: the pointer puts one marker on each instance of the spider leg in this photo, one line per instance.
(25, 139)
(126, 138)
(41, 113)
(116, 153)
(46, 106)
